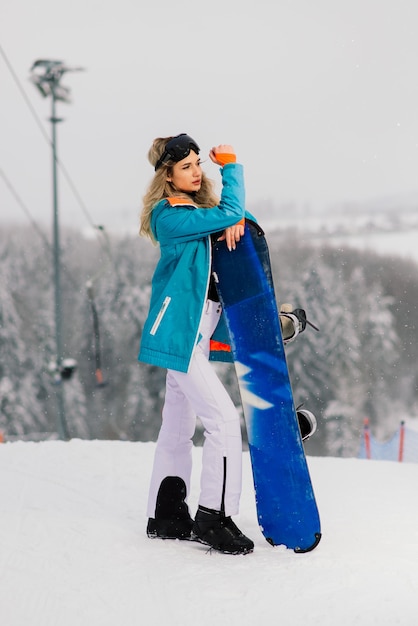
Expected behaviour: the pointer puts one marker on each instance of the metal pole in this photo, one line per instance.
(61, 418)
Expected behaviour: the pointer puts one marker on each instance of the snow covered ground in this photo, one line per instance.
(73, 549)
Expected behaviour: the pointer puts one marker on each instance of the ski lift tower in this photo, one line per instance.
(46, 76)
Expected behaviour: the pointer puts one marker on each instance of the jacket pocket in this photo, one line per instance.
(160, 315)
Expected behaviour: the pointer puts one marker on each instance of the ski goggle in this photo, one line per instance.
(177, 149)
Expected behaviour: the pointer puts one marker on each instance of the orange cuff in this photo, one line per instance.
(224, 157)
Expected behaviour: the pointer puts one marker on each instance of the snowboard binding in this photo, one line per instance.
(307, 423)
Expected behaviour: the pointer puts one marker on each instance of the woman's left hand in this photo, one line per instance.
(224, 153)
(231, 235)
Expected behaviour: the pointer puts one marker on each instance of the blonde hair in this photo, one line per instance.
(160, 188)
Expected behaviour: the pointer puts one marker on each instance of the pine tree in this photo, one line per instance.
(21, 380)
(324, 366)
(351, 369)
(380, 352)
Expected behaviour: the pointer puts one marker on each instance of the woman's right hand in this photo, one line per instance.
(233, 234)
(223, 154)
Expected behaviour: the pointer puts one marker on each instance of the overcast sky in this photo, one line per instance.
(319, 98)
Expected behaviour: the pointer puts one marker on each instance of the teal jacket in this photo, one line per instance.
(181, 278)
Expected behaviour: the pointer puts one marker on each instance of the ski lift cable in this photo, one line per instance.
(24, 208)
(99, 228)
(24, 95)
(45, 135)
(35, 226)
(103, 242)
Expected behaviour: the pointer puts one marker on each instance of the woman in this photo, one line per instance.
(183, 330)
(182, 213)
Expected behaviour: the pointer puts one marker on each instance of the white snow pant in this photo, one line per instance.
(200, 393)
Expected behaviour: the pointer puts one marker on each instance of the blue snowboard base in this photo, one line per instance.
(286, 507)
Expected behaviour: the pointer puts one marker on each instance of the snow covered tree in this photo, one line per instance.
(354, 367)
(379, 348)
(22, 384)
(325, 365)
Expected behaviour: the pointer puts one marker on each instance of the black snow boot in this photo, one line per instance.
(172, 518)
(219, 532)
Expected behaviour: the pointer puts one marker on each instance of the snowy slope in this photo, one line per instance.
(73, 551)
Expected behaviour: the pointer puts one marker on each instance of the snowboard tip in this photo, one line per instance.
(310, 548)
(297, 549)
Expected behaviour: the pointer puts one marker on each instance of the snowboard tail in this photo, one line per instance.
(286, 507)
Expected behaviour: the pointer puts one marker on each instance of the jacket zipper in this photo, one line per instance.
(160, 315)
(196, 339)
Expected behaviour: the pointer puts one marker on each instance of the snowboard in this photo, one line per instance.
(285, 501)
